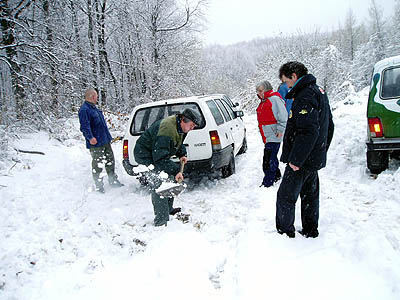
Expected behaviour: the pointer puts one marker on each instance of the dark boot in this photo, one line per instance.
(175, 211)
(309, 234)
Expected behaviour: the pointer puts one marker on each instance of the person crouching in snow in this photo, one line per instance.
(272, 117)
(162, 140)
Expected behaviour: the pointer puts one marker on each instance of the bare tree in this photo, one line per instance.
(378, 34)
(12, 22)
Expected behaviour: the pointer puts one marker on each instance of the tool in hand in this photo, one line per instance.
(172, 189)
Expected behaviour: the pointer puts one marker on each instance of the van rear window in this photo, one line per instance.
(145, 117)
(390, 87)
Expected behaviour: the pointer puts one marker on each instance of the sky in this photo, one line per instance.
(232, 21)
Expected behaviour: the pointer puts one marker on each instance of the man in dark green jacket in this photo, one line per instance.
(162, 140)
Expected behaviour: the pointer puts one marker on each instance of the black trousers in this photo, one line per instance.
(294, 183)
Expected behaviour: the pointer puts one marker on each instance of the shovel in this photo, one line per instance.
(171, 189)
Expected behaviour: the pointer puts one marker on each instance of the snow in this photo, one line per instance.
(62, 240)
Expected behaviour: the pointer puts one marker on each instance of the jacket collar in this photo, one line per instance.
(268, 94)
(300, 84)
(91, 104)
(178, 124)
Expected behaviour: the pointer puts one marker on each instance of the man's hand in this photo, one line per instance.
(93, 141)
(179, 177)
(279, 134)
(294, 168)
(184, 159)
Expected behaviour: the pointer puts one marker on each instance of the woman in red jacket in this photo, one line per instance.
(272, 117)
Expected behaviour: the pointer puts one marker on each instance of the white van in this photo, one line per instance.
(213, 145)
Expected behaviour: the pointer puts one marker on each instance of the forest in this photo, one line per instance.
(137, 51)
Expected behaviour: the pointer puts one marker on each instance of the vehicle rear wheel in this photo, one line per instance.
(377, 161)
(230, 168)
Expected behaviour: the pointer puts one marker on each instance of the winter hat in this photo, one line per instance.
(191, 115)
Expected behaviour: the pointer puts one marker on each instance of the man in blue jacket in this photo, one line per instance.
(308, 134)
(98, 138)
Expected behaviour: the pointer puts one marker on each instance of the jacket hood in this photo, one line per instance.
(268, 94)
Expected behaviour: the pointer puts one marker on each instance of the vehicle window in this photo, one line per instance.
(145, 117)
(223, 109)
(228, 100)
(215, 112)
(390, 87)
(229, 109)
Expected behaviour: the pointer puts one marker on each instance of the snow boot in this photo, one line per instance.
(309, 234)
(175, 211)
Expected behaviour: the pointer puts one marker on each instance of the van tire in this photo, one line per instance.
(230, 168)
(377, 161)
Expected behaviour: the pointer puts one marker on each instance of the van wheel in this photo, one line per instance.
(377, 161)
(243, 149)
(395, 155)
(230, 168)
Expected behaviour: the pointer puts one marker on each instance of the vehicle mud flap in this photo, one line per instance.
(377, 161)
(230, 168)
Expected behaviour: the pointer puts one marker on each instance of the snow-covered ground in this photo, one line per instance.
(61, 240)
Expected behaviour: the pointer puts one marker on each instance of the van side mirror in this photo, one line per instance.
(239, 113)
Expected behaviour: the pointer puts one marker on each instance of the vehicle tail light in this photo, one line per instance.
(125, 154)
(375, 127)
(215, 141)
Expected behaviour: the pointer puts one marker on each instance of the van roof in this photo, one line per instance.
(387, 62)
(180, 100)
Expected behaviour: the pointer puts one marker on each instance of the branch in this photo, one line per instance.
(188, 14)
(21, 9)
(29, 152)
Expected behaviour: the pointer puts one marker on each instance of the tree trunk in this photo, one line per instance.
(92, 44)
(8, 38)
(53, 72)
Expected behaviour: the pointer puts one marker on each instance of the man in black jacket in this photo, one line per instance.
(308, 134)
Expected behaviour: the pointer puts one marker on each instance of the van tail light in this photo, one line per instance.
(375, 127)
(125, 154)
(215, 141)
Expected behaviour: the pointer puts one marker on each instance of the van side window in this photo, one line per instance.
(228, 100)
(391, 83)
(229, 109)
(215, 112)
(223, 109)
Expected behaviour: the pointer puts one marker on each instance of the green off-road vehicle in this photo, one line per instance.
(384, 114)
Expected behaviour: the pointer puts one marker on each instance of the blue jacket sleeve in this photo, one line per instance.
(85, 124)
